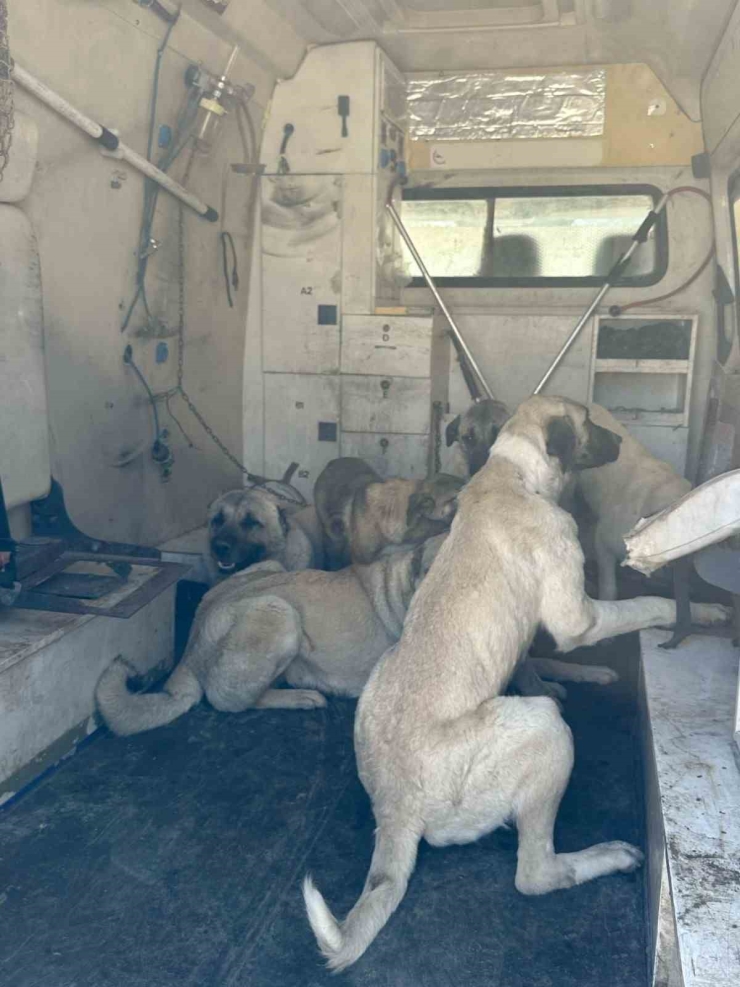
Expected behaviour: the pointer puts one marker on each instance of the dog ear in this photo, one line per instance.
(420, 505)
(452, 431)
(561, 442)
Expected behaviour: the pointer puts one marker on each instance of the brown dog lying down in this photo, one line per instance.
(321, 632)
(361, 514)
(252, 525)
(316, 630)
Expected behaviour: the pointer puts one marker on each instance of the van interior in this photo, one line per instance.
(240, 239)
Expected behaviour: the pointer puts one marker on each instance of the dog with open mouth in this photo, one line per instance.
(253, 525)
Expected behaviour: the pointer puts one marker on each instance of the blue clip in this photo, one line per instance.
(165, 136)
(162, 353)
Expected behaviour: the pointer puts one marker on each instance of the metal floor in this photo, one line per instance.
(175, 857)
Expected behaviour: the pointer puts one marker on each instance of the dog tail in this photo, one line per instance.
(391, 867)
(126, 713)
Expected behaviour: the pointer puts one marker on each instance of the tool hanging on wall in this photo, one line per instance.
(110, 142)
(472, 374)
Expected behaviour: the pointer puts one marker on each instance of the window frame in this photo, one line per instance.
(422, 192)
(733, 196)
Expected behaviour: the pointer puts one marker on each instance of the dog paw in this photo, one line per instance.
(555, 691)
(599, 674)
(307, 699)
(710, 613)
(626, 857)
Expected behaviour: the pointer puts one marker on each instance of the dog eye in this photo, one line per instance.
(218, 520)
(251, 522)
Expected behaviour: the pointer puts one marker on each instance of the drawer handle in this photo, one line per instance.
(384, 443)
(385, 386)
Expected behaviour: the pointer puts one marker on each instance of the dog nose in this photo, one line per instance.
(221, 549)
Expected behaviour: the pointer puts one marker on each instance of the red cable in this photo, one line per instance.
(618, 309)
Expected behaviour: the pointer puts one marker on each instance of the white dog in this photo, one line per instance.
(442, 754)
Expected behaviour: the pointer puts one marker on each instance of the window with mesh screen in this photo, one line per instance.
(530, 237)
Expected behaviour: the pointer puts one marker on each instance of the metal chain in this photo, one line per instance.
(180, 388)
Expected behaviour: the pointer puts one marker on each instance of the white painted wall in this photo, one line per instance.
(100, 55)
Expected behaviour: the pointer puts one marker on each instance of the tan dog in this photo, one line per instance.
(318, 630)
(443, 755)
(619, 494)
(361, 514)
(476, 430)
(252, 525)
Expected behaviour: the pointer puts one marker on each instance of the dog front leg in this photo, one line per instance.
(527, 682)
(595, 620)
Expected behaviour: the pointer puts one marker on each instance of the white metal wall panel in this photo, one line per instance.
(385, 404)
(301, 274)
(24, 434)
(295, 405)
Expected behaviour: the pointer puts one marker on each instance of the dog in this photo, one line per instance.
(442, 754)
(252, 524)
(362, 515)
(476, 430)
(321, 631)
(619, 494)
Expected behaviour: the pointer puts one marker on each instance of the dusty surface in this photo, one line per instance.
(691, 696)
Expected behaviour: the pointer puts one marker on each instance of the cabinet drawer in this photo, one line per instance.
(391, 455)
(385, 404)
(379, 344)
(301, 412)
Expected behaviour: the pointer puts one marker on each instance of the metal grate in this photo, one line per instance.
(6, 90)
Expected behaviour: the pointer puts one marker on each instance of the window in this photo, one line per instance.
(532, 237)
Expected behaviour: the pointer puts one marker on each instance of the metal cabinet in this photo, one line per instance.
(301, 425)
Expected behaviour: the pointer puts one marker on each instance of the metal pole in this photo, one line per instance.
(636, 241)
(438, 298)
(110, 141)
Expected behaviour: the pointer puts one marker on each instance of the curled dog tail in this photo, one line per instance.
(391, 867)
(127, 713)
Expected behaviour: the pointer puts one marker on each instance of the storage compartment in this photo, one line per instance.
(385, 404)
(378, 344)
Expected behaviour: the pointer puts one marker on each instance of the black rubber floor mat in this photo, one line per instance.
(174, 859)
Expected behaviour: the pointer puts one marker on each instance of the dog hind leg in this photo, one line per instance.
(536, 802)
(259, 647)
(513, 759)
(568, 671)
